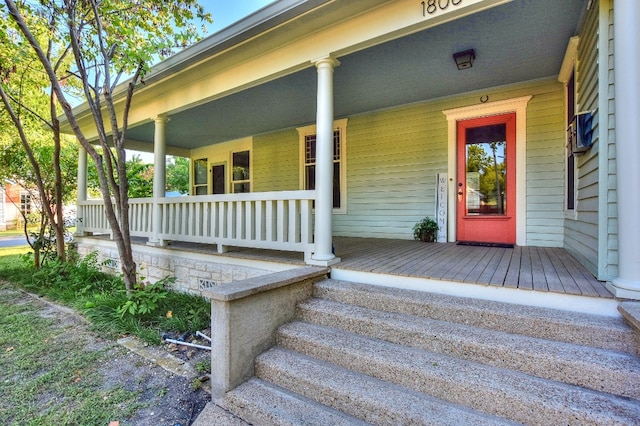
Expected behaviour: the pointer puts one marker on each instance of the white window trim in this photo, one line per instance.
(311, 130)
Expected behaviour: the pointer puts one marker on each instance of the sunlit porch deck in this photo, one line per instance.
(541, 269)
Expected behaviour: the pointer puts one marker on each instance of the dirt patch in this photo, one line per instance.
(163, 398)
(167, 399)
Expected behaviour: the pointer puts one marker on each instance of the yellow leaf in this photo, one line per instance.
(169, 314)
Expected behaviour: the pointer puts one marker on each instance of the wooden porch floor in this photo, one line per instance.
(541, 269)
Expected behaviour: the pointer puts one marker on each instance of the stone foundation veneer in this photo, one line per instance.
(193, 271)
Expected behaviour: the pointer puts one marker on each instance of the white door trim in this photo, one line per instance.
(517, 105)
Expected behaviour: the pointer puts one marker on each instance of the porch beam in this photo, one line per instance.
(159, 177)
(323, 253)
(627, 107)
(137, 145)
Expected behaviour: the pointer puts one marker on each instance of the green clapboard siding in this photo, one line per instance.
(276, 161)
(581, 233)
(545, 166)
(393, 157)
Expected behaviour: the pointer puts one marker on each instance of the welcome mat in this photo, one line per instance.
(481, 244)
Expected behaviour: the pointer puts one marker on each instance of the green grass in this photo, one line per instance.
(48, 378)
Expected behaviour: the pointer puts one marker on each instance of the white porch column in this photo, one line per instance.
(323, 232)
(627, 106)
(82, 190)
(159, 177)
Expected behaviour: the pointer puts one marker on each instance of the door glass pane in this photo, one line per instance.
(486, 169)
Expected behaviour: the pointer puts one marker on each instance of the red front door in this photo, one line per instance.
(486, 185)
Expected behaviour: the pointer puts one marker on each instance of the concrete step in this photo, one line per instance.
(598, 369)
(262, 403)
(495, 391)
(361, 396)
(571, 327)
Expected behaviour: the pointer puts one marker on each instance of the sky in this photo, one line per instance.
(226, 12)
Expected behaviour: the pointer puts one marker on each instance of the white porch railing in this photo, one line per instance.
(270, 220)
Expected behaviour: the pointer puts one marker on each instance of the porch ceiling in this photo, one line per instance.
(518, 41)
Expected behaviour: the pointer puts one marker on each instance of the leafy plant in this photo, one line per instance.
(143, 299)
(425, 230)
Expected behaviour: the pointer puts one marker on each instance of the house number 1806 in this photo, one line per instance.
(432, 6)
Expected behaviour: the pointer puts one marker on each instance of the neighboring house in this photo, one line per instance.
(13, 199)
(316, 119)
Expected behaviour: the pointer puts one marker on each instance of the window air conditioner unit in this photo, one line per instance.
(580, 132)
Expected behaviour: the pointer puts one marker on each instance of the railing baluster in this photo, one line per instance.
(240, 215)
(305, 221)
(250, 220)
(222, 218)
(269, 221)
(213, 220)
(281, 224)
(294, 222)
(259, 211)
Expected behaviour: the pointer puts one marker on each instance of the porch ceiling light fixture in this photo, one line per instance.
(464, 59)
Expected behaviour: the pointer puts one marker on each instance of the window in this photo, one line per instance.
(25, 203)
(567, 76)
(571, 159)
(200, 186)
(241, 178)
(308, 162)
